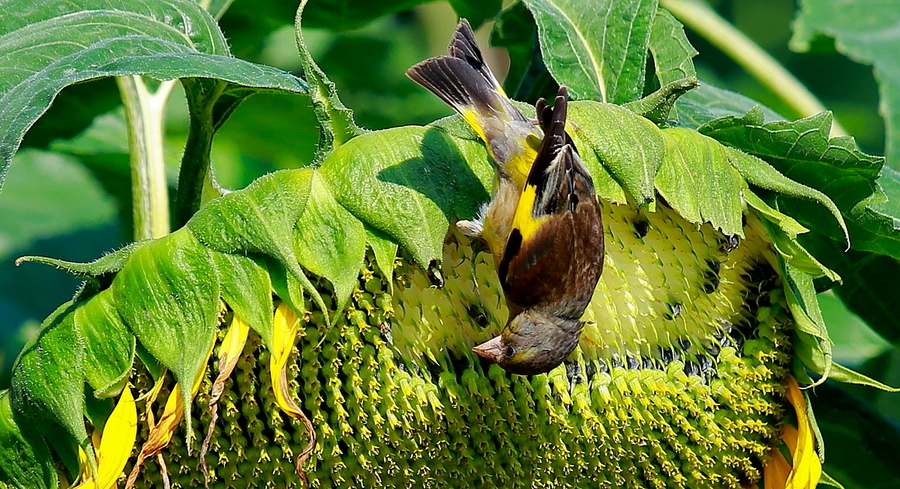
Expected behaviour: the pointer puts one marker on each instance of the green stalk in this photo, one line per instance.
(145, 113)
(703, 20)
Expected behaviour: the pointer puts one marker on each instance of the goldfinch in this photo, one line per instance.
(543, 222)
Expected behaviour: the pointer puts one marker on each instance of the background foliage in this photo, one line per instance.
(67, 196)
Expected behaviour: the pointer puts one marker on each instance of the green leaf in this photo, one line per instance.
(672, 52)
(63, 43)
(848, 376)
(797, 256)
(597, 49)
(875, 222)
(109, 345)
(803, 151)
(259, 219)
(247, 289)
(56, 395)
(336, 124)
(410, 182)
(862, 444)
(708, 103)
(330, 242)
(764, 175)
(629, 146)
(168, 295)
(697, 181)
(811, 342)
(106, 264)
(863, 31)
(385, 252)
(25, 461)
(786, 223)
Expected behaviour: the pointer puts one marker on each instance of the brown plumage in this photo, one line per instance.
(552, 261)
(543, 221)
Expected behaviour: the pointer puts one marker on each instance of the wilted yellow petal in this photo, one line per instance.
(116, 443)
(286, 326)
(229, 352)
(161, 433)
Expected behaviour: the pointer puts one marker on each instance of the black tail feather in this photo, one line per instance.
(463, 79)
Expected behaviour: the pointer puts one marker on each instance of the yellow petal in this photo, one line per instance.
(116, 443)
(807, 469)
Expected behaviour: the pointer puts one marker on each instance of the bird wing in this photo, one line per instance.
(554, 252)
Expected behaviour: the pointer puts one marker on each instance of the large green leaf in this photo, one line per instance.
(803, 151)
(330, 242)
(44, 49)
(875, 222)
(168, 295)
(864, 30)
(597, 49)
(24, 461)
(260, 219)
(527, 78)
(247, 289)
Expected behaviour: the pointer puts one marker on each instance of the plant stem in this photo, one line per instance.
(145, 113)
(703, 20)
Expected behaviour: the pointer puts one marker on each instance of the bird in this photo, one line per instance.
(543, 222)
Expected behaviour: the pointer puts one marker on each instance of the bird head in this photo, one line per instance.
(534, 342)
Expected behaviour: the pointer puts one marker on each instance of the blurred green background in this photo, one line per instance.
(67, 194)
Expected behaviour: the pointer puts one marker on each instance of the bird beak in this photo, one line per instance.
(490, 350)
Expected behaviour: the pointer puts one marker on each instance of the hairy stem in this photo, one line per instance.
(145, 113)
(703, 20)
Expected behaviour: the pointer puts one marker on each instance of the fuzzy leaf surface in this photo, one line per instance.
(696, 180)
(672, 52)
(168, 295)
(48, 378)
(629, 146)
(330, 242)
(409, 182)
(109, 345)
(803, 151)
(24, 462)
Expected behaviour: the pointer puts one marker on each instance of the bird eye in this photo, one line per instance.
(509, 351)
